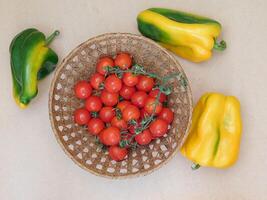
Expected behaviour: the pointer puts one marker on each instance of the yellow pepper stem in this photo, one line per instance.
(195, 166)
(219, 46)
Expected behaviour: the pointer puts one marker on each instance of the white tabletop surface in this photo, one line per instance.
(33, 165)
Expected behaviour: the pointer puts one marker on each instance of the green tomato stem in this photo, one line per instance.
(139, 70)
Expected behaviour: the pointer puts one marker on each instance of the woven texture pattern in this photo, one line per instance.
(76, 141)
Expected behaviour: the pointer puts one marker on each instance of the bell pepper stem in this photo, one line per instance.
(195, 166)
(219, 46)
(51, 37)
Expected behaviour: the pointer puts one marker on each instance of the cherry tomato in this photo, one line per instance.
(144, 138)
(167, 115)
(126, 92)
(123, 104)
(131, 112)
(158, 128)
(150, 106)
(103, 63)
(154, 93)
(82, 90)
(106, 114)
(96, 79)
(117, 153)
(145, 83)
(130, 79)
(95, 126)
(139, 99)
(113, 83)
(110, 136)
(108, 98)
(119, 123)
(123, 60)
(93, 104)
(81, 116)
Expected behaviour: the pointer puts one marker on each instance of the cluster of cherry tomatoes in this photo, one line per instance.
(122, 111)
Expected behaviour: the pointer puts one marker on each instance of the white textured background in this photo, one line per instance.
(32, 164)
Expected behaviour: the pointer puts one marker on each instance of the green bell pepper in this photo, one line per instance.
(31, 60)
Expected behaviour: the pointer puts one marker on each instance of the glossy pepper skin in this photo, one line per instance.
(189, 36)
(31, 60)
(214, 137)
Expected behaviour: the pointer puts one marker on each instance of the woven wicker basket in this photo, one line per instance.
(75, 140)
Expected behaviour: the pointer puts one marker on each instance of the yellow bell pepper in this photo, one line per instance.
(214, 136)
(189, 36)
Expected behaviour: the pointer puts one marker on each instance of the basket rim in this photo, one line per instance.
(52, 87)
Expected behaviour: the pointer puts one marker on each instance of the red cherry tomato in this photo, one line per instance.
(108, 98)
(95, 126)
(158, 128)
(82, 90)
(123, 104)
(139, 99)
(96, 79)
(113, 83)
(110, 136)
(130, 79)
(123, 60)
(167, 115)
(103, 63)
(131, 112)
(150, 105)
(117, 153)
(145, 83)
(119, 123)
(93, 104)
(81, 116)
(154, 93)
(106, 114)
(144, 138)
(126, 92)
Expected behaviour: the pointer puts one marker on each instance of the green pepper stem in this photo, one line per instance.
(219, 46)
(195, 166)
(51, 37)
